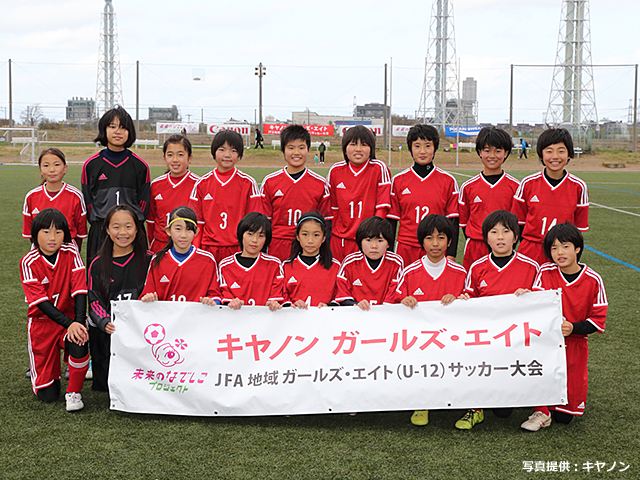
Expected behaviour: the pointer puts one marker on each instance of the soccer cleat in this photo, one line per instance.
(536, 421)
(420, 417)
(74, 402)
(89, 374)
(469, 419)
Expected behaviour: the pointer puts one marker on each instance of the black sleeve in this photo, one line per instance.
(584, 328)
(80, 307)
(453, 248)
(394, 229)
(144, 193)
(98, 311)
(54, 314)
(98, 308)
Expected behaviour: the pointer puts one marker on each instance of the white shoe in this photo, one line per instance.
(74, 402)
(89, 374)
(536, 421)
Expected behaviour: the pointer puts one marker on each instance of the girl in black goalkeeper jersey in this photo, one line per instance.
(118, 272)
(114, 176)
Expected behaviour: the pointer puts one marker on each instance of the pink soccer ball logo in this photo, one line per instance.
(154, 333)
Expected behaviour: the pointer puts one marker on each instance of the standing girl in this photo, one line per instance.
(359, 188)
(114, 176)
(54, 193)
(53, 279)
(181, 272)
(310, 272)
(170, 190)
(116, 273)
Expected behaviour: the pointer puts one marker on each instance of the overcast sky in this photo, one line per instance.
(320, 55)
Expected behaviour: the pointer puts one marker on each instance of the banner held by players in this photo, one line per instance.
(189, 359)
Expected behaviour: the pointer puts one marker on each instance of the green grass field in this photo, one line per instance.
(43, 441)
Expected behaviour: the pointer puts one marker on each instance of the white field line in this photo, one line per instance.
(590, 203)
(614, 209)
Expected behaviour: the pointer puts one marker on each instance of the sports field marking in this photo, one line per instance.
(614, 209)
(614, 189)
(609, 257)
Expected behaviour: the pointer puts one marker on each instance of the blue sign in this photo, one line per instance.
(464, 131)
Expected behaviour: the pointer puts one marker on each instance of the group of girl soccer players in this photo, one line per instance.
(299, 241)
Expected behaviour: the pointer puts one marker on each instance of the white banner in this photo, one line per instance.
(376, 129)
(166, 127)
(190, 359)
(400, 130)
(242, 129)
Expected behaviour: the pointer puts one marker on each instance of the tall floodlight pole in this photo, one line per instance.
(440, 70)
(109, 83)
(10, 135)
(572, 102)
(260, 72)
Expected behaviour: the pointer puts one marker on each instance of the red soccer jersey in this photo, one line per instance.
(221, 204)
(583, 299)
(255, 285)
(57, 283)
(68, 200)
(313, 284)
(485, 278)
(357, 281)
(356, 194)
(540, 206)
(418, 282)
(285, 200)
(478, 198)
(187, 281)
(414, 197)
(167, 193)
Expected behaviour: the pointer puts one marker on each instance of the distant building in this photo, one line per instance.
(80, 110)
(469, 103)
(375, 110)
(164, 114)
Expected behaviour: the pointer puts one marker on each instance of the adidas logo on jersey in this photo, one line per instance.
(292, 280)
(36, 211)
(341, 185)
(235, 285)
(164, 279)
(581, 406)
(534, 199)
(102, 177)
(406, 191)
(477, 200)
(208, 197)
(418, 292)
(278, 194)
(483, 283)
(357, 283)
(159, 197)
(44, 281)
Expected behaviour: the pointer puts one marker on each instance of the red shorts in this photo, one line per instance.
(220, 253)
(409, 253)
(341, 247)
(577, 352)
(533, 250)
(45, 340)
(473, 250)
(280, 248)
